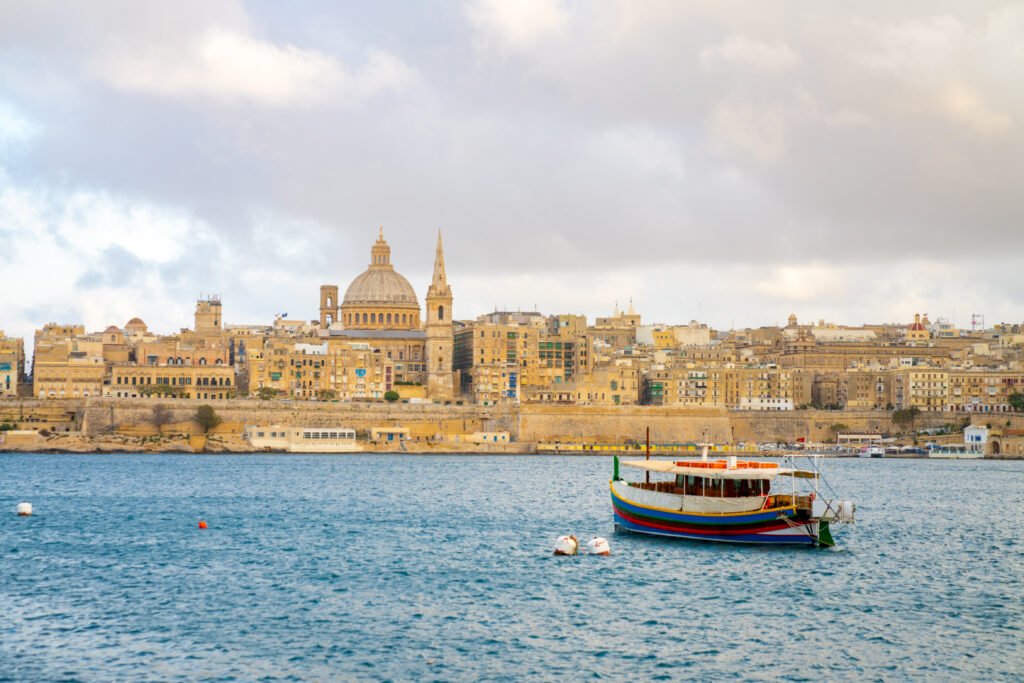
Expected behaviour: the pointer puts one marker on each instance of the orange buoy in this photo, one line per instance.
(202, 524)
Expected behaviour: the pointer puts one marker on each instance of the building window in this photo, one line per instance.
(440, 312)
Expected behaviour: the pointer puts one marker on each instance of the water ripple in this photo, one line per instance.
(439, 568)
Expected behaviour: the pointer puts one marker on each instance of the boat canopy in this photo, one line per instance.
(719, 469)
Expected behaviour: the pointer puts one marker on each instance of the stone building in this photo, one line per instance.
(381, 310)
(12, 365)
(202, 382)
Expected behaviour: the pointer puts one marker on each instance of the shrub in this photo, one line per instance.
(207, 417)
(391, 396)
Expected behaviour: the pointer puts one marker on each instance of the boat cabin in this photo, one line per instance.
(693, 485)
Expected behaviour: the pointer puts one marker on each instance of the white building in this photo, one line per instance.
(975, 438)
(758, 403)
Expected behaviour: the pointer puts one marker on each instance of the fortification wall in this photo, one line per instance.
(104, 415)
(527, 423)
(816, 425)
(620, 424)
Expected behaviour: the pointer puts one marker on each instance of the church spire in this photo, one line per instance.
(440, 281)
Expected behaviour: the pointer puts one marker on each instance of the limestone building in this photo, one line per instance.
(12, 365)
(380, 309)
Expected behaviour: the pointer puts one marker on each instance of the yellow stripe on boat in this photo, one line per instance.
(696, 514)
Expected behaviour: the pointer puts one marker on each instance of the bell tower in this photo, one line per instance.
(440, 333)
(328, 305)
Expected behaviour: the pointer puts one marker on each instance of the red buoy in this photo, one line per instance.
(202, 524)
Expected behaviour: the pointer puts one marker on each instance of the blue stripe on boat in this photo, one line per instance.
(796, 538)
(703, 520)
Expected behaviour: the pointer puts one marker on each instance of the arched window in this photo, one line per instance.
(219, 362)
(389, 318)
(329, 319)
(440, 312)
(170, 361)
(373, 317)
(364, 318)
(202, 361)
(330, 302)
(405, 318)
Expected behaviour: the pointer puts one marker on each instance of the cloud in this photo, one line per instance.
(745, 52)
(230, 66)
(966, 106)
(15, 129)
(740, 127)
(574, 153)
(516, 24)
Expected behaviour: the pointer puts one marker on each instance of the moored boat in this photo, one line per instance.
(872, 452)
(954, 453)
(727, 500)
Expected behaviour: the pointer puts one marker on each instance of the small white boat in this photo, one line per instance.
(954, 453)
(871, 452)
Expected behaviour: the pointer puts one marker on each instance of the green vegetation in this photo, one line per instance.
(837, 428)
(328, 395)
(266, 393)
(6, 427)
(905, 416)
(207, 417)
(391, 396)
(161, 390)
(1017, 402)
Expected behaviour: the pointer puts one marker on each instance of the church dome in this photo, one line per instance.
(379, 286)
(380, 298)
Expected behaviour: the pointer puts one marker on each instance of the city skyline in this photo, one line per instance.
(711, 162)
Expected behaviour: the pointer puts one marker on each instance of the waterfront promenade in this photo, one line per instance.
(128, 425)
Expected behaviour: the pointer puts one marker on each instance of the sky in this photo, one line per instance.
(729, 162)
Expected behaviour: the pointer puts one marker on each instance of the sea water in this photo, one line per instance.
(411, 567)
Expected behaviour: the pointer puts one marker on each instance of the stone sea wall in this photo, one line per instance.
(527, 423)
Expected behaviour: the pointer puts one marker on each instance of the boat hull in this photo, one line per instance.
(771, 527)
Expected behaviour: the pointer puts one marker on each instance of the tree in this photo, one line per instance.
(328, 395)
(1017, 402)
(161, 416)
(207, 417)
(837, 428)
(905, 417)
(391, 396)
(266, 393)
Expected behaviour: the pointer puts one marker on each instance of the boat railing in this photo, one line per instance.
(787, 500)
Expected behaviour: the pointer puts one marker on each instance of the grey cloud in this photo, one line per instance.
(629, 136)
(115, 267)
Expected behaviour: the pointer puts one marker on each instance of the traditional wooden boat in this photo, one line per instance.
(727, 500)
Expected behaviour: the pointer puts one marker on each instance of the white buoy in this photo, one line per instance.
(24, 509)
(599, 546)
(566, 545)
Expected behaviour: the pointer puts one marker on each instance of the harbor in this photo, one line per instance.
(306, 560)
